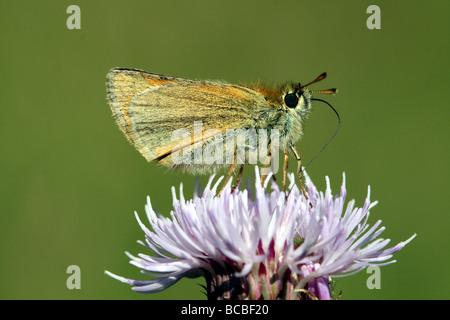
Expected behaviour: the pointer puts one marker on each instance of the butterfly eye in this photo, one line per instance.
(291, 100)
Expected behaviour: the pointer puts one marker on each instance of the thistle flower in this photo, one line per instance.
(256, 244)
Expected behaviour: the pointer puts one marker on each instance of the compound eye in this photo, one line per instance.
(291, 100)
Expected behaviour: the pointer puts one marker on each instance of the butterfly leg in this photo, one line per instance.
(227, 178)
(265, 170)
(238, 178)
(299, 169)
(285, 167)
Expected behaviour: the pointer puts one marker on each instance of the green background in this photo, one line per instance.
(70, 181)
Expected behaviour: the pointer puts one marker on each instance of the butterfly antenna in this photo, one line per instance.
(319, 78)
(335, 133)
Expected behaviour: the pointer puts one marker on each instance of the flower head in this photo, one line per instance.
(256, 244)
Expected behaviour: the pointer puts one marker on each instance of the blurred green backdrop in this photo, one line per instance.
(70, 181)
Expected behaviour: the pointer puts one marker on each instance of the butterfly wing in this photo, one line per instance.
(149, 108)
